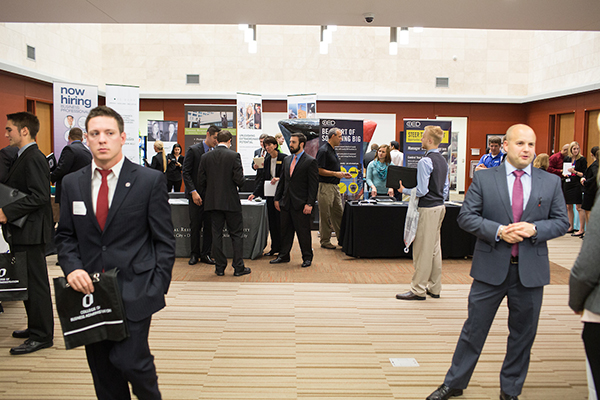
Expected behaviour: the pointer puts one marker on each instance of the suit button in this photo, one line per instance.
(103, 248)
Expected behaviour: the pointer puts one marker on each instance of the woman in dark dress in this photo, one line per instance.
(572, 187)
(590, 185)
(270, 176)
(174, 165)
(159, 161)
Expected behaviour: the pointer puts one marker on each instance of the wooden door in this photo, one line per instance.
(44, 137)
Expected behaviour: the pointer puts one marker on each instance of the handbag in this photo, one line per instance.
(13, 276)
(91, 318)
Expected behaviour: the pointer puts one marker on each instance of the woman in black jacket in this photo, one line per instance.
(590, 185)
(572, 187)
(174, 165)
(269, 177)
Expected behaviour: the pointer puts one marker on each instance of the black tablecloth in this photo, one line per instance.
(256, 228)
(377, 230)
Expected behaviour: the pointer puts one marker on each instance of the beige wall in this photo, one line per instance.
(489, 63)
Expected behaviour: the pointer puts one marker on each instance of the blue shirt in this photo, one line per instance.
(297, 157)
(424, 168)
(491, 161)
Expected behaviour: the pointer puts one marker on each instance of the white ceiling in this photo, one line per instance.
(477, 14)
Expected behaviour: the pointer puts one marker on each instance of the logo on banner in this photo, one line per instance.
(413, 124)
(328, 122)
(2, 272)
(88, 300)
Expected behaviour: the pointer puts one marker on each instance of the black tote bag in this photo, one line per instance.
(13, 276)
(91, 318)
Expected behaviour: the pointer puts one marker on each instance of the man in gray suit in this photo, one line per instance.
(219, 178)
(513, 209)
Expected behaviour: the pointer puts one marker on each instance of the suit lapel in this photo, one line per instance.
(85, 188)
(534, 195)
(124, 185)
(20, 159)
(502, 186)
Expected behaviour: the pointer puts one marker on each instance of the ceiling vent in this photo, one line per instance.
(193, 79)
(442, 82)
(30, 52)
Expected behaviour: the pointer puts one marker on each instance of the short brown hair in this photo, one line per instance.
(224, 136)
(25, 120)
(270, 140)
(104, 111)
(495, 139)
(75, 134)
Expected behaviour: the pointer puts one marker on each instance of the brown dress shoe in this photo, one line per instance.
(409, 296)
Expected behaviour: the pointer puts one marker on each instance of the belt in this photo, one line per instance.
(514, 259)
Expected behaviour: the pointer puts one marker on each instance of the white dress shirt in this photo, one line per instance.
(112, 180)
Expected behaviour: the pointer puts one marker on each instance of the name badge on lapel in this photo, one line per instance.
(79, 208)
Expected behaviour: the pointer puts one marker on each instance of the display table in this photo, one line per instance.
(256, 228)
(377, 231)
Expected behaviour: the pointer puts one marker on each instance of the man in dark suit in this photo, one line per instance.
(513, 209)
(116, 214)
(30, 174)
(219, 178)
(198, 218)
(7, 157)
(73, 157)
(295, 198)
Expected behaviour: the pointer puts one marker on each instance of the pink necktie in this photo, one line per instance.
(293, 165)
(517, 204)
(102, 200)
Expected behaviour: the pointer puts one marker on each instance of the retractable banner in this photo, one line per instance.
(199, 117)
(349, 152)
(72, 104)
(413, 133)
(126, 101)
(302, 106)
(249, 110)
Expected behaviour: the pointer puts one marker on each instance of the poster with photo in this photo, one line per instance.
(249, 110)
(199, 117)
(302, 106)
(72, 104)
(349, 152)
(165, 131)
(413, 132)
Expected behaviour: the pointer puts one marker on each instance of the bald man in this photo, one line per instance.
(513, 209)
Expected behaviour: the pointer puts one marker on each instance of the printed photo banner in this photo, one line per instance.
(126, 101)
(72, 104)
(249, 119)
(413, 132)
(301, 106)
(165, 131)
(349, 152)
(199, 117)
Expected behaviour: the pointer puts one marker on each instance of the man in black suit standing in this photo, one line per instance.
(116, 214)
(198, 218)
(30, 174)
(295, 198)
(219, 178)
(73, 157)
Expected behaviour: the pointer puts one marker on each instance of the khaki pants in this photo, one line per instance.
(330, 211)
(427, 252)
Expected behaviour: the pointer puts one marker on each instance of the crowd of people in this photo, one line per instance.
(514, 206)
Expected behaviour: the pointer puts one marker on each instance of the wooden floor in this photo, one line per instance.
(286, 335)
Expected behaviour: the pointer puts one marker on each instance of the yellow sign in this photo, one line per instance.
(353, 188)
(342, 187)
(414, 136)
(354, 172)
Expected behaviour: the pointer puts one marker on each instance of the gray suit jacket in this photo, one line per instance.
(487, 206)
(584, 283)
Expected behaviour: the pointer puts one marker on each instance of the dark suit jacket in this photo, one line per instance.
(487, 206)
(302, 187)
(157, 162)
(219, 178)
(173, 171)
(72, 158)
(137, 238)
(7, 157)
(191, 164)
(265, 174)
(31, 175)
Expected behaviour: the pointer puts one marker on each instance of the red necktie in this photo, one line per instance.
(517, 204)
(293, 165)
(102, 201)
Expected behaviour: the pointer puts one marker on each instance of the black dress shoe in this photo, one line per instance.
(193, 259)
(219, 273)
(306, 263)
(245, 271)
(29, 346)
(24, 334)
(409, 296)
(207, 260)
(571, 230)
(434, 296)
(280, 260)
(271, 253)
(444, 393)
(504, 396)
(578, 234)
